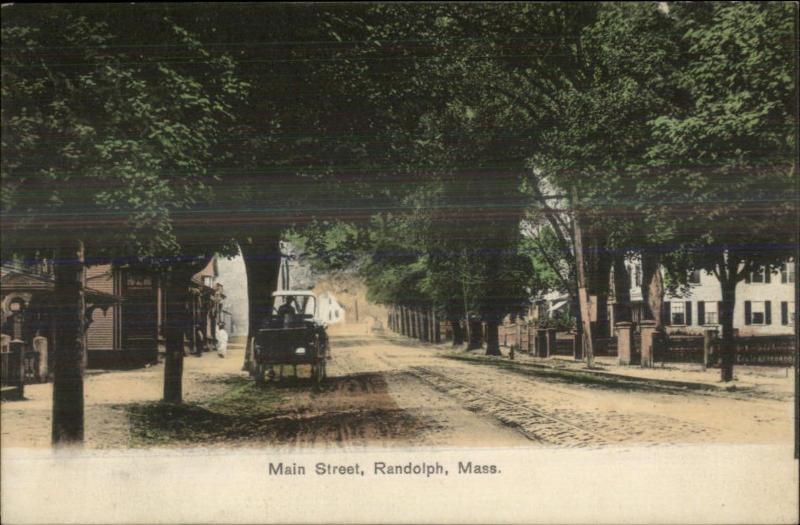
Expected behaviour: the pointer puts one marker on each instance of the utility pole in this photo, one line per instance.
(583, 295)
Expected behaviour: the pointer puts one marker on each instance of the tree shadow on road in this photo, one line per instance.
(249, 414)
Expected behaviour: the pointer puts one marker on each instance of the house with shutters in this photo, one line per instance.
(764, 302)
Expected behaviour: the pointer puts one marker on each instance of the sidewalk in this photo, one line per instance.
(26, 423)
(756, 381)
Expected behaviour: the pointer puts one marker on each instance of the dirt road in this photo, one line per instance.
(384, 390)
(467, 401)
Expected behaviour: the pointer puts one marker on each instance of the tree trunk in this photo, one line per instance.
(652, 287)
(458, 333)
(178, 321)
(70, 310)
(728, 343)
(262, 262)
(474, 334)
(580, 273)
(622, 290)
(492, 336)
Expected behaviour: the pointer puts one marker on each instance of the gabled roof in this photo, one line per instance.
(18, 280)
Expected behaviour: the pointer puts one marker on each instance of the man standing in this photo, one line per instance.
(222, 341)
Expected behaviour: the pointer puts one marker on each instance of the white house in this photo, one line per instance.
(330, 311)
(764, 302)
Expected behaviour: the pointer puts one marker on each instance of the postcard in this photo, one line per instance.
(399, 263)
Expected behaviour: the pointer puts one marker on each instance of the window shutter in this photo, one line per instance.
(767, 273)
(701, 313)
(666, 311)
(747, 311)
(784, 313)
(719, 312)
(784, 276)
(767, 312)
(688, 313)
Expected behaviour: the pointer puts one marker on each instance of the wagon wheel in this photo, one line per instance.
(259, 372)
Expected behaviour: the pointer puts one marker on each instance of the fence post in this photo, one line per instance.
(648, 329)
(551, 342)
(708, 341)
(577, 345)
(541, 342)
(624, 342)
(531, 340)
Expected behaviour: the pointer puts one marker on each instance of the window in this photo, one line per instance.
(759, 275)
(694, 277)
(637, 274)
(787, 312)
(787, 273)
(678, 313)
(757, 312)
(711, 313)
(207, 280)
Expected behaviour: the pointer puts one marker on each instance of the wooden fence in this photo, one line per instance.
(756, 350)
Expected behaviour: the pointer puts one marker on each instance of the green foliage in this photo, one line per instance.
(725, 150)
(329, 245)
(102, 140)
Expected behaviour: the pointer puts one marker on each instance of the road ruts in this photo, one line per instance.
(534, 424)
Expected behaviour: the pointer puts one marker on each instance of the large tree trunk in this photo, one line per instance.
(580, 274)
(652, 287)
(728, 343)
(492, 336)
(474, 334)
(458, 333)
(598, 280)
(178, 323)
(622, 290)
(727, 271)
(262, 261)
(70, 310)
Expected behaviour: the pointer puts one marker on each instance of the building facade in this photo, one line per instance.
(125, 314)
(329, 310)
(764, 302)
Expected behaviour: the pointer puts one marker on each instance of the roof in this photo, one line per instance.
(15, 280)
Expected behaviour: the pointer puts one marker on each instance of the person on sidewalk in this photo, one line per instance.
(222, 341)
